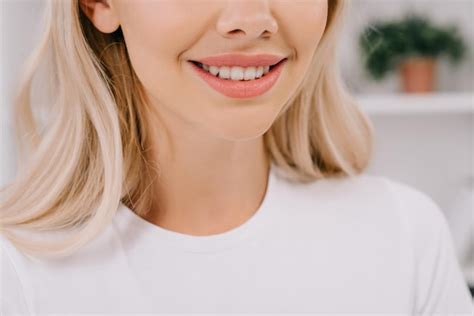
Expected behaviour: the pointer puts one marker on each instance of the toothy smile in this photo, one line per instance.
(236, 72)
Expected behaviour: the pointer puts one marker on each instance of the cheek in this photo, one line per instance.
(156, 32)
(304, 23)
(151, 27)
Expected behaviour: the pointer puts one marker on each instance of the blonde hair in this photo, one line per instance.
(91, 154)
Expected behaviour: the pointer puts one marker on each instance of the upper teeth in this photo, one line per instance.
(236, 72)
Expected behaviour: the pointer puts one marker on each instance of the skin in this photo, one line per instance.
(209, 147)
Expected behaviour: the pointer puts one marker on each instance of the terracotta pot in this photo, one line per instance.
(418, 74)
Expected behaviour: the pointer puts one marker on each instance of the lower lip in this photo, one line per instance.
(243, 88)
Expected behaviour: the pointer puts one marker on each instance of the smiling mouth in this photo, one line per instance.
(201, 65)
(237, 84)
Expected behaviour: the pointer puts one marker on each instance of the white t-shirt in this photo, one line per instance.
(365, 245)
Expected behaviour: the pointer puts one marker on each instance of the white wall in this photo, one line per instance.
(18, 33)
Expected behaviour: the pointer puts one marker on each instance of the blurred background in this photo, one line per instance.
(410, 65)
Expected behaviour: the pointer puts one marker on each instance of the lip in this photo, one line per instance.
(241, 60)
(241, 89)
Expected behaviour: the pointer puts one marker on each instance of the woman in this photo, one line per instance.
(203, 156)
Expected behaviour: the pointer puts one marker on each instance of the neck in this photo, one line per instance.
(206, 185)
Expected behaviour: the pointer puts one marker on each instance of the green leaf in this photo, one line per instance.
(384, 44)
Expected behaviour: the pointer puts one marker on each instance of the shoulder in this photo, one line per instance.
(373, 199)
(440, 286)
(360, 193)
(360, 185)
(419, 229)
(407, 200)
(418, 214)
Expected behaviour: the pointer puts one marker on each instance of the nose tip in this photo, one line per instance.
(238, 33)
(247, 19)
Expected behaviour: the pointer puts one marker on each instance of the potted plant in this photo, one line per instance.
(412, 46)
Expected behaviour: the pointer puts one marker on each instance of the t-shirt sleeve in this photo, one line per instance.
(12, 297)
(440, 287)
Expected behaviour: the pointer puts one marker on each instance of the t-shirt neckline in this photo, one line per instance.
(209, 243)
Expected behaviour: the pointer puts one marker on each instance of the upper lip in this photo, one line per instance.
(242, 60)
